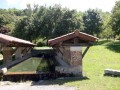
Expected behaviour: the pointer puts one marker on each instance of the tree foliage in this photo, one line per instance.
(8, 19)
(92, 22)
(115, 21)
(44, 22)
(107, 31)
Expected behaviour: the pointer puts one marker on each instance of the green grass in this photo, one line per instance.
(99, 57)
(43, 48)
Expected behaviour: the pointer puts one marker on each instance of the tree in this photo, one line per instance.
(55, 21)
(115, 18)
(4, 20)
(46, 22)
(4, 29)
(25, 27)
(92, 22)
(8, 17)
(107, 31)
(68, 22)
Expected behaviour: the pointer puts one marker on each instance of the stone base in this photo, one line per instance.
(77, 71)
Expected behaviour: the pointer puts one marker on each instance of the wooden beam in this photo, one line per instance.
(25, 48)
(14, 50)
(59, 51)
(29, 48)
(75, 41)
(7, 54)
(85, 51)
(0, 46)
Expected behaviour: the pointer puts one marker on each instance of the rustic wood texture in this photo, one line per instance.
(34, 76)
(13, 41)
(75, 34)
(85, 51)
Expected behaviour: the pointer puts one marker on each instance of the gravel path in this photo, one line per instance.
(28, 86)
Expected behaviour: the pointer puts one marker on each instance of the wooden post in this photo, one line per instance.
(26, 51)
(29, 50)
(7, 54)
(0, 46)
(18, 53)
(85, 51)
(75, 41)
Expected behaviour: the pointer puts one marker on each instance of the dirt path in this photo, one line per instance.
(29, 86)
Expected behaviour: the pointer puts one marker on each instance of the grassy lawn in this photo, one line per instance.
(99, 57)
(43, 48)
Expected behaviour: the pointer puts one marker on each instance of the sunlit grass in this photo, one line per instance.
(43, 48)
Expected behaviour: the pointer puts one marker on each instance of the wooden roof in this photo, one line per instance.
(13, 41)
(76, 33)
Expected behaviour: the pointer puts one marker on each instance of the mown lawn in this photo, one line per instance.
(99, 57)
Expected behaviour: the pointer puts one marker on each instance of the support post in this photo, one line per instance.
(0, 46)
(26, 51)
(85, 51)
(18, 53)
(7, 54)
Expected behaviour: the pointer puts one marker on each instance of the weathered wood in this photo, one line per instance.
(85, 51)
(75, 41)
(34, 76)
(13, 41)
(14, 50)
(111, 72)
(18, 53)
(25, 48)
(0, 46)
(29, 48)
(25, 76)
(59, 50)
(7, 54)
(72, 35)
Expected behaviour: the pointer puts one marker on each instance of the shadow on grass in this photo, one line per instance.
(103, 42)
(114, 46)
(110, 44)
(112, 75)
(60, 81)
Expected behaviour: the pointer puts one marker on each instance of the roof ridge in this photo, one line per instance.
(73, 34)
(8, 38)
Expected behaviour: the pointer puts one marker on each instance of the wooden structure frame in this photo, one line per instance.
(22, 49)
(68, 50)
